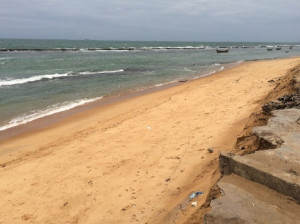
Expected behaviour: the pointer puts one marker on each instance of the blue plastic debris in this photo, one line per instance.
(195, 194)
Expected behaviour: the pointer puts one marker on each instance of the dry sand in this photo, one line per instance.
(134, 161)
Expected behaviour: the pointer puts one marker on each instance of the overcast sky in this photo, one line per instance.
(181, 20)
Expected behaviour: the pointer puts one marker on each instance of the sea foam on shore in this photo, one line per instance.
(50, 110)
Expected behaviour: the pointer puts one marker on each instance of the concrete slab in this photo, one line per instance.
(244, 201)
(278, 168)
(264, 187)
(283, 125)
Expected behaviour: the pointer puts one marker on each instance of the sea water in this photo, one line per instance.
(43, 77)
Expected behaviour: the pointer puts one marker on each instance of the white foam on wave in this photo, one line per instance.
(101, 72)
(104, 51)
(84, 50)
(204, 75)
(32, 79)
(50, 110)
(188, 70)
(6, 58)
(52, 76)
(165, 83)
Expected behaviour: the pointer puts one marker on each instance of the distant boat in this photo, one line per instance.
(291, 47)
(222, 49)
(270, 48)
(278, 48)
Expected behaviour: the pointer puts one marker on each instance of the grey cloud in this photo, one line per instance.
(213, 20)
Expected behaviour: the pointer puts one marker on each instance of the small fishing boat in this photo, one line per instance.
(278, 48)
(222, 49)
(270, 48)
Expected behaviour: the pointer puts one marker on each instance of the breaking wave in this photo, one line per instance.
(53, 109)
(31, 79)
(101, 72)
(52, 76)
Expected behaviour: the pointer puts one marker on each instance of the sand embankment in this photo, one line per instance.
(136, 160)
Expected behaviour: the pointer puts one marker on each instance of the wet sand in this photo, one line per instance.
(135, 160)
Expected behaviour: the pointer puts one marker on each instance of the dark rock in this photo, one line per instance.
(210, 150)
(291, 171)
(284, 102)
(287, 98)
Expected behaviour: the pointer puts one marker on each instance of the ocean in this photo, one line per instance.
(39, 78)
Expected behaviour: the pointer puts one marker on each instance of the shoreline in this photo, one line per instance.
(53, 119)
(136, 160)
(19, 123)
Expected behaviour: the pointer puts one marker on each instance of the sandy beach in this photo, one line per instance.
(136, 160)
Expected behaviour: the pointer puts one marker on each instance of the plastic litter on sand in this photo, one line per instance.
(194, 203)
(195, 194)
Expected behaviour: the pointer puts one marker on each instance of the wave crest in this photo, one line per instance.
(32, 79)
(52, 76)
(101, 72)
(53, 109)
